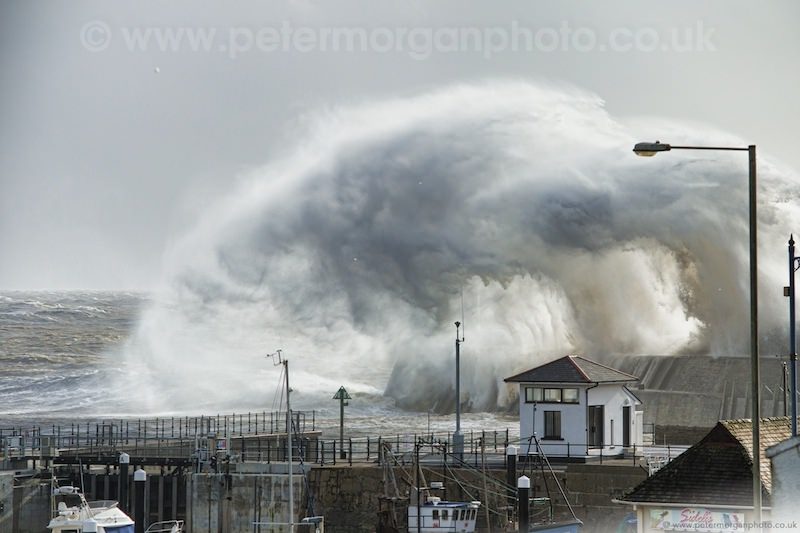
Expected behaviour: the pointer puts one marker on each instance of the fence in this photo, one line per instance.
(261, 437)
(161, 434)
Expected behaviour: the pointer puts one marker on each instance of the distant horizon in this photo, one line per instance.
(75, 289)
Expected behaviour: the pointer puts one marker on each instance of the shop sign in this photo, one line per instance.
(695, 519)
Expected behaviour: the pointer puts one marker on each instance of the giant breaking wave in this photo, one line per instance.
(520, 202)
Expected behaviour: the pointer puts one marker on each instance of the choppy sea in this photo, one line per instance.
(61, 351)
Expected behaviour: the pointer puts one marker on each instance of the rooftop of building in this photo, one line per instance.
(718, 470)
(572, 369)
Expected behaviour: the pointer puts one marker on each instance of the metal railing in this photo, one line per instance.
(164, 435)
(260, 437)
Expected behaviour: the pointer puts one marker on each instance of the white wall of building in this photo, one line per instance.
(614, 397)
(785, 458)
(573, 423)
(574, 433)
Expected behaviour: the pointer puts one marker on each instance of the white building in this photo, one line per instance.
(785, 489)
(576, 408)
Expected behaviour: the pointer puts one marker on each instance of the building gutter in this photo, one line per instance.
(587, 416)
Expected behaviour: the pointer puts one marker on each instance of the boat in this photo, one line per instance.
(73, 514)
(435, 515)
(167, 526)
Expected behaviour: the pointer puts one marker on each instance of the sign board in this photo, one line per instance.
(695, 519)
(341, 394)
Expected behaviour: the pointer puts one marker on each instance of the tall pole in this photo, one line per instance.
(458, 438)
(755, 373)
(792, 338)
(649, 149)
(458, 380)
(419, 490)
(785, 390)
(342, 453)
(342, 396)
(289, 447)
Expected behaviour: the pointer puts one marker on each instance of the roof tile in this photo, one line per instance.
(718, 470)
(572, 369)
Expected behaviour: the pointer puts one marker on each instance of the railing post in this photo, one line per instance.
(350, 451)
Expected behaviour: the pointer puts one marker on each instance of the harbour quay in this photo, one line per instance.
(229, 473)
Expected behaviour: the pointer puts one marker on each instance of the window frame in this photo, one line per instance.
(535, 394)
(555, 420)
(577, 395)
(552, 390)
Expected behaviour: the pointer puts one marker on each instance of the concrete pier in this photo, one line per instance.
(351, 498)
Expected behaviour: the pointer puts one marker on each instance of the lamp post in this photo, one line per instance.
(648, 149)
(342, 396)
(458, 437)
(794, 261)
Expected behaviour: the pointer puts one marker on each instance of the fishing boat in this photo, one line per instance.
(73, 514)
(435, 515)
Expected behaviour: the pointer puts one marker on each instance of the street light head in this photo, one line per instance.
(458, 324)
(650, 149)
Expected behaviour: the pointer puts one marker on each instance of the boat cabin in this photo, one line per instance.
(73, 514)
(436, 515)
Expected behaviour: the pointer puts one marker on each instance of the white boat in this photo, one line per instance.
(167, 526)
(436, 515)
(73, 514)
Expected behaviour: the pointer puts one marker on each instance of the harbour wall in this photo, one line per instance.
(351, 498)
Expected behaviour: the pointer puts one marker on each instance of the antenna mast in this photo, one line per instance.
(279, 360)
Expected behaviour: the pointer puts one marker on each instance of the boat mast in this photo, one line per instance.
(289, 446)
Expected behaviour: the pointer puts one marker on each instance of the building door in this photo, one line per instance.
(596, 419)
(626, 426)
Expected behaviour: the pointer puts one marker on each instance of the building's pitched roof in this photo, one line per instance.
(772, 431)
(572, 369)
(718, 470)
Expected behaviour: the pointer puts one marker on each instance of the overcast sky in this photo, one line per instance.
(111, 144)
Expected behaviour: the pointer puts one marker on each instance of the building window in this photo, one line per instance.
(552, 395)
(569, 395)
(552, 424)
(533, 394)
(444, 515)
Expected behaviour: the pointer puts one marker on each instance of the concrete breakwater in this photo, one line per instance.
(351, 498)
